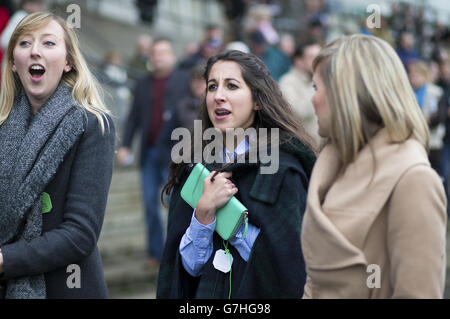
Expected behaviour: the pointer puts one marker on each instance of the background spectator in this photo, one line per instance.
(139, 64)
(155, 97)
(276, 60)
(235, 11)
(26, 7)
(115, 78)
(297, 86)
(406, 48)
(211, 45)
(5, 13)
(428, 96)
(444, 106)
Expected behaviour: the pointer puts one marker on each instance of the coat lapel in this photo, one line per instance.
(322, 235)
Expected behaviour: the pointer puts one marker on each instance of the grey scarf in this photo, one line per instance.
(31, 150)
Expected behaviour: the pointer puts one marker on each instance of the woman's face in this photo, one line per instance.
(228, 99)
(40, 58)
(320, 105)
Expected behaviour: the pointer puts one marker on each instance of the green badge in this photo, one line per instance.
(46, 203)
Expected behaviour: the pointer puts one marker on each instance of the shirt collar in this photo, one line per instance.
(242, 148)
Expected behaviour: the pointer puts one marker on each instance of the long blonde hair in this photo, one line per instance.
(367, 87)
(85, 88)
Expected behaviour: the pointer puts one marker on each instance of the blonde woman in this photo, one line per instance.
(56, 159)
(375, 223)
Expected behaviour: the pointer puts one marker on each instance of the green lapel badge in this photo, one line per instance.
(46, 203)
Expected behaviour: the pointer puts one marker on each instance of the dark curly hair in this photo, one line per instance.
(274, 112)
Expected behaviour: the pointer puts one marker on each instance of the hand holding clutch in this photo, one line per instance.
(229, 216)
(215, 194)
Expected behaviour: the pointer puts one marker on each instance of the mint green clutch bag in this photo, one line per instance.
(229, 218)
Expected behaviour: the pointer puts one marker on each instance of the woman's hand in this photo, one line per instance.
(124, 156)
(215, 194)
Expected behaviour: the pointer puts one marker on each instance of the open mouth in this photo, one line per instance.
(36, 71)
(222, 112)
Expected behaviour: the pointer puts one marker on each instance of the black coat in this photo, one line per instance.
(276, 203)
(71, 229)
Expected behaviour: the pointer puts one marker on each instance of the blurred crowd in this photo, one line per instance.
(420, 39)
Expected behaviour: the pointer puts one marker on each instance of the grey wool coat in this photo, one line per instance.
(72, 162)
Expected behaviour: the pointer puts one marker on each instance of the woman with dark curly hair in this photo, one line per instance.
(267, 258)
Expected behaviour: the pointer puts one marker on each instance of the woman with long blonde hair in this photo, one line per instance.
(375, 223)
(57, 150)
